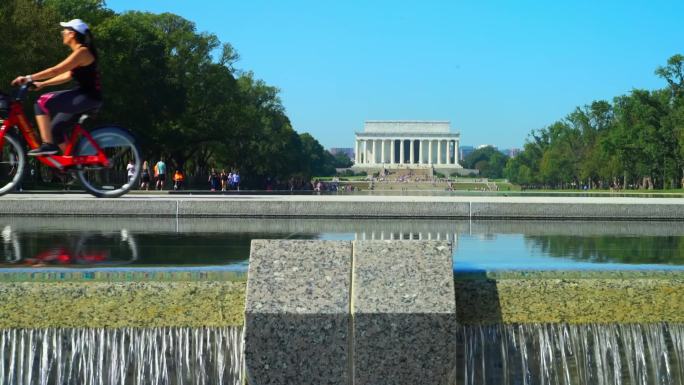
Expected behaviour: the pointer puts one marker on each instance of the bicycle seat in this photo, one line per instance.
(87, 115)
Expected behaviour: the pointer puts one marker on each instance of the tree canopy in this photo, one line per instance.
(488, 160)
(635, 141)
(176, 88)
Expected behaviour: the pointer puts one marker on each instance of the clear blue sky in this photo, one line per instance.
(495, 69)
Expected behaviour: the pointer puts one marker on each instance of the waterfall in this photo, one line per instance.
(561, 354)
(158, 356)
(528, 354)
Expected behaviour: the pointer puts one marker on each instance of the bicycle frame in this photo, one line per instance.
(67, 160)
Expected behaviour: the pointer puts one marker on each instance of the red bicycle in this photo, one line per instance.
(99, 158)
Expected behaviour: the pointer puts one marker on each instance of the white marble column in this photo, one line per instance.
(453, 151)
(421, 143)
(429, 151)
(382, 151)
(439, 151)
(365, 152)
(375, 151)
(393, 150)
(456, 150)
(356, 152)
(448, 151)
(401, 151)
(412, 159)
(452, 144)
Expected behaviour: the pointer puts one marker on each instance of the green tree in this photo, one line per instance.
(342, 160)
(29, 39)
(488, 160)
(673, 73)
(320, 161)
(637, 140)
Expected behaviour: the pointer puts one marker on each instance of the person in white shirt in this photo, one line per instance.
(130, 168)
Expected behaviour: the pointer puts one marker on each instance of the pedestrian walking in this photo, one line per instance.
(145, 176)
(235, 181)
(160, 174)
(224, 180)
(214, 180)
(130, 171)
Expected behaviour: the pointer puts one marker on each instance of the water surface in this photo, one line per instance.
(55, 243)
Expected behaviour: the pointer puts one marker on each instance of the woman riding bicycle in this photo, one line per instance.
(56, 112)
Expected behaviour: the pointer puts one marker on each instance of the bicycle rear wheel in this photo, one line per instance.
(120, 148)
(12, 164)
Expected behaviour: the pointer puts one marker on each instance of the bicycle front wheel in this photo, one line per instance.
(120, 148)
(12, 163)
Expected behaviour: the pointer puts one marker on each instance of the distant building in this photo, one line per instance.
(403, 144)
(348, 151)
(512, 152)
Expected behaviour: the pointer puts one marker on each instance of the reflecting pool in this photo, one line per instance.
(49, 243)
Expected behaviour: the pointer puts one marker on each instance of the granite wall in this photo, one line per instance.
(38, 300)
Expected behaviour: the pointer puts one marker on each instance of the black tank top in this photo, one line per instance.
(88, 79)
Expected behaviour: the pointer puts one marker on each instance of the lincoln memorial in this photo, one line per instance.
(406, 144)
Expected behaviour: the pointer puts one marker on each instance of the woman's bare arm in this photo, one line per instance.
(59, 79)
(78, 58)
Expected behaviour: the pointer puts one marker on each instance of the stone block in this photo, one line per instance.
(297, 312)
(404, 315)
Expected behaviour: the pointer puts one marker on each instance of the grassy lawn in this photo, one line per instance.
(607, 192)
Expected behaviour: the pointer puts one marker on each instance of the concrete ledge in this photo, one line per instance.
(87, 207)
(571, 300)
(121, 304)
(588, 210)
(349, 206)
(573, 297)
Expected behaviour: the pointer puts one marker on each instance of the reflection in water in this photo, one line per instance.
(478, 245)
(612, 249)
(74, 249)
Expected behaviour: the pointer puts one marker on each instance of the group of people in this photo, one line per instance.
(158, 175)
(224, 181)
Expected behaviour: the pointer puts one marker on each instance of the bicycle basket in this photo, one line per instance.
(4, 105)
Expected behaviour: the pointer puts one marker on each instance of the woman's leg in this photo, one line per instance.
(55, 112)
(44, 128)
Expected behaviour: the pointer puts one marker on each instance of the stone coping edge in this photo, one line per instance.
(263, 208)
(105, 275)
(479, 300)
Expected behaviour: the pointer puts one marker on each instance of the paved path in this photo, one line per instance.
(346, 206)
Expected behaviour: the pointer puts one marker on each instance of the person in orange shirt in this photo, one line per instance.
(178, 179)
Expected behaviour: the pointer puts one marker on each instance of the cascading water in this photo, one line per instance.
(158, 356)
(560, 354)
(529, 354)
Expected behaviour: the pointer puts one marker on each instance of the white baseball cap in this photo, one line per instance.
(77, 25)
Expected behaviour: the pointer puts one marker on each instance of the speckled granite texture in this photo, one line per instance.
(297, 312)
(121, 304)
(626, 298)
(48, 300)
(403, 313)
(109, 275)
